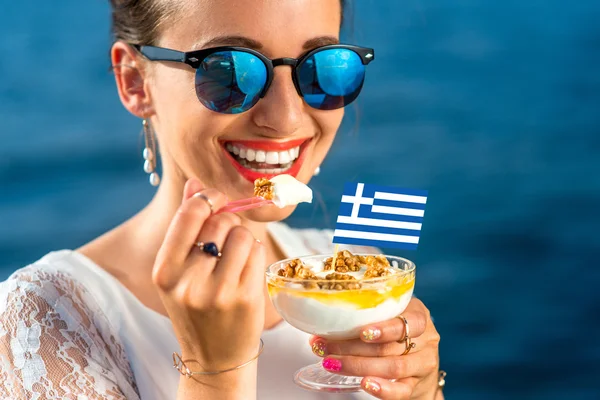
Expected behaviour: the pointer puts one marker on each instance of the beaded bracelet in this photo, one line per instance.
(180, 366)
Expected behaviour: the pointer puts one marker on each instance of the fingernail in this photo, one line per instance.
(371, 334)
(258, 241)
(332, 364)
(372, 386)
(319, 347)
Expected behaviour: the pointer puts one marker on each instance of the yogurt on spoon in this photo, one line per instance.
(283, 190)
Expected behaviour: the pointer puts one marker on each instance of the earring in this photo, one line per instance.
(317, 171)
(149, 154)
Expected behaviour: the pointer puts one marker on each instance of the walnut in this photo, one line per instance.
(376, 272)
(376, 266)
(349, 282)
(345, 262)
(263, 188)
(287, 272)
(295, 269)
(311, 285)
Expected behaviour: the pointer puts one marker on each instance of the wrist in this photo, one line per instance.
(239, 384)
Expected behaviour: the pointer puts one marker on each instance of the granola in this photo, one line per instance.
(263, 188)
(340, 279)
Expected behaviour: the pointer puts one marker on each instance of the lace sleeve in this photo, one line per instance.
(54, 343)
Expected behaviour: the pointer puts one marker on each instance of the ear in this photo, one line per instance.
(131, 79)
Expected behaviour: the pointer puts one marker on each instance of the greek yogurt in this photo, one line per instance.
(288, 191)
(340, 314)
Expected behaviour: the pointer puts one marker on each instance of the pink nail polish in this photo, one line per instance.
(372, 386)
(319, 348)
(332, 364)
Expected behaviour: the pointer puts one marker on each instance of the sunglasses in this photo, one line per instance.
(231, 80)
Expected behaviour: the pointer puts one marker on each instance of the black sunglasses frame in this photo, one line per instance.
(194, 58)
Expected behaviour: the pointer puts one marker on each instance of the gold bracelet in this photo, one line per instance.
(180, 366)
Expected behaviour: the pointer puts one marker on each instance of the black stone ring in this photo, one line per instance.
(209, 248)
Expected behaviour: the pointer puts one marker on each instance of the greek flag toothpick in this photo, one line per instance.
(380, 216)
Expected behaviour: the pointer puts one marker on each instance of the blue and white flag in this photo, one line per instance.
(380, 216)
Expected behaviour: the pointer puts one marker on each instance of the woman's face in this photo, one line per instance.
(197, 142)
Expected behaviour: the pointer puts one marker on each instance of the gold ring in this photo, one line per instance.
(407, 342)
(205, 198)
(406, 329)
(409, 346)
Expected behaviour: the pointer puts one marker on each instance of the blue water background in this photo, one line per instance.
(492, 106)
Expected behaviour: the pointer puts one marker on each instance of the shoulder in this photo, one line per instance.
(47, 300)
(47, 289)
(51, 279)
(62, 284)
(304, 241)
(44, 278)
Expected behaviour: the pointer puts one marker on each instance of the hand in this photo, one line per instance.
(380, 359)
(216, 305)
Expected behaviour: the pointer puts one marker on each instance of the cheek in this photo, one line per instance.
(329, 122)
(179, 114)
(173, 92)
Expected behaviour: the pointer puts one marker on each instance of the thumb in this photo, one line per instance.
(192, 186)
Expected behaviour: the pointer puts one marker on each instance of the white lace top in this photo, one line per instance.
(70, 330)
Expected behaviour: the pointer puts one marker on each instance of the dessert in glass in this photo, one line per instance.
(336, 301)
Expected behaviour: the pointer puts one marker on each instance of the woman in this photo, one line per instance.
(104, 320)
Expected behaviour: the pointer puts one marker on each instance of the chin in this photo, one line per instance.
(268, 214)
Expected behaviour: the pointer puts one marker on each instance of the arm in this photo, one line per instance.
(214, 298)
(234, 385)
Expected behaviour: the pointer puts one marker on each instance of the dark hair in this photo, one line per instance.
(140, 21)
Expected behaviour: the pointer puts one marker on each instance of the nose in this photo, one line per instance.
(281, 112)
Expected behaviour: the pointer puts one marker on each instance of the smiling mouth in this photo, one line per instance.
(254, 159)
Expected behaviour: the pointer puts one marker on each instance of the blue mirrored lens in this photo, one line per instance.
(230, 82)
(331, 78)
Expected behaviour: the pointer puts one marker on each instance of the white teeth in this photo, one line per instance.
(272, 157)
(284, 157)
(275, 171)
(261, 156)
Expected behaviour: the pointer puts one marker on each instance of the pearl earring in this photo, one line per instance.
(317, 171)
(149, 154)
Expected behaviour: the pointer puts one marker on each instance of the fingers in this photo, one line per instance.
(253, 275)
(386, 390)
(394, 329)
(235, 253)
(191, 186)
(215, 230)
(393, 367)
(356, 347)
(182, 234)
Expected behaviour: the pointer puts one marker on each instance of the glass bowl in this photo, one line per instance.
(338, 309)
